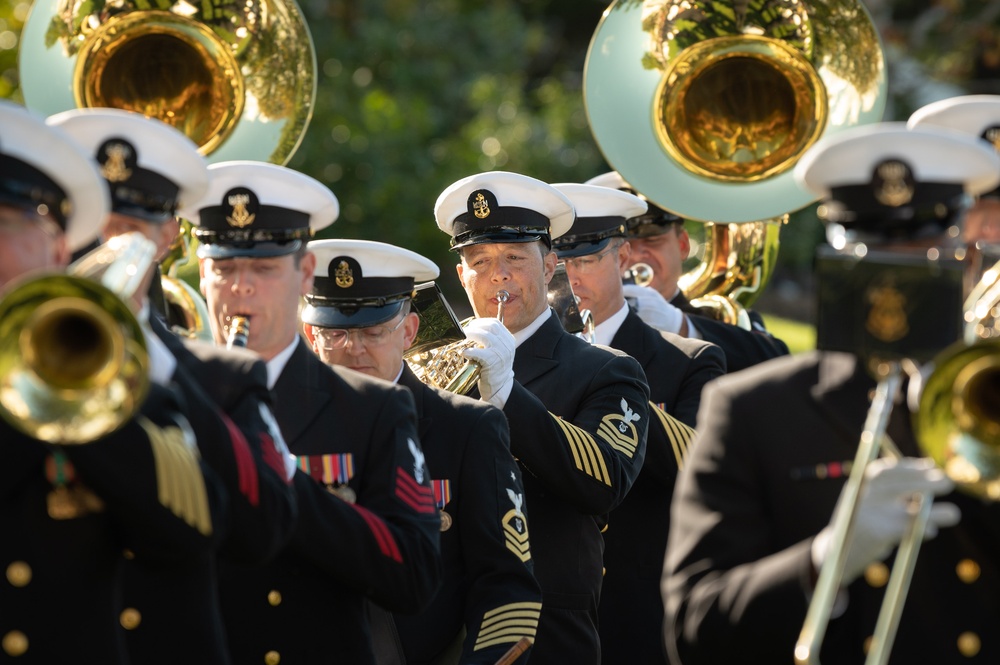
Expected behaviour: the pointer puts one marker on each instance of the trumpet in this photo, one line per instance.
(73, 359)
(239, 332)
(640, 274)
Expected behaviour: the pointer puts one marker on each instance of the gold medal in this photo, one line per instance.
(345, 493)
(63, 504)
(66, 503)
(445, 521)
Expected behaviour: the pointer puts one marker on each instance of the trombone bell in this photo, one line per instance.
(73, 364)
(958, 423)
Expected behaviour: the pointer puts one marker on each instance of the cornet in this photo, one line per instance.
(640, 274)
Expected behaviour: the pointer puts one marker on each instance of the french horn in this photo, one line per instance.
(239, 79)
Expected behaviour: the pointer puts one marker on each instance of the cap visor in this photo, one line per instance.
(500, 238)
(250, 249)
(573, 250)
(349, 316)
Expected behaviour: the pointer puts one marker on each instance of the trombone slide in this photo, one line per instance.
(831, 574)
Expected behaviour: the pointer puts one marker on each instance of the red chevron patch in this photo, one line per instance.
(383, 537)
(246, 467)
(418, 497)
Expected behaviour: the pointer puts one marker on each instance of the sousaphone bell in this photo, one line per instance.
(239, 79)
(704, 106)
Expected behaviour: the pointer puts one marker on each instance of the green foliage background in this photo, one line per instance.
(414, 95)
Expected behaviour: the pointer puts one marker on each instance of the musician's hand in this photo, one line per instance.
(654, 309)
(495, 358)
(884, 512)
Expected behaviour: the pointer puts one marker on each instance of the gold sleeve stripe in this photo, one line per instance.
(507, 624)
(623, 444)
(180, 485)
(680, 435)
(586, 454)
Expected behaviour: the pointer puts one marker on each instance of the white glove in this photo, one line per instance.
(495, 359)
(884, 512)
(653, 308)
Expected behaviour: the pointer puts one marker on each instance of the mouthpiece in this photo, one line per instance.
(502, 297)
(239, 331)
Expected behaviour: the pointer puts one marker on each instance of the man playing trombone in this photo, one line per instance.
(596, 253)
(151, 169)
(658, 238)
(136, 484)
(754, 535)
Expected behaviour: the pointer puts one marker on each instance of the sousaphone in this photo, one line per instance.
(704, 106)
(238, 78)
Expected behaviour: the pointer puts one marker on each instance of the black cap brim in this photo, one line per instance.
(502, 237)
(573, 250)
(250, 249)
(349, 315)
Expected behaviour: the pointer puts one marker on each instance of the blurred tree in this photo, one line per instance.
(442, 90)
(415, 95)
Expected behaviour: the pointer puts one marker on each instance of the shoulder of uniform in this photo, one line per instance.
(369, 387)
(689, 345)
(774, 374)
(222, 362)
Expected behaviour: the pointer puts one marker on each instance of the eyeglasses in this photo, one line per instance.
(336, 338)
(589, 263)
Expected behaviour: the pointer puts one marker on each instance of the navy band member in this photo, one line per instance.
(68, 512)
(358, 316)
(367, 526)
(658, 239)
(151, 169)
(677, 368)
(743, 550)
(578, 413)
(978, 115)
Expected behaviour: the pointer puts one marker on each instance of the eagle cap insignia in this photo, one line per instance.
(893, 183)
(241, 204)
(343, 275)
(480, 206)
(116, 157)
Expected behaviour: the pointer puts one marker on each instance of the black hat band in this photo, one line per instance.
(377, 290)
(592, 229)
(22, 185)
(509, 220)
(135, 191)
(856, 207)
(269, 224)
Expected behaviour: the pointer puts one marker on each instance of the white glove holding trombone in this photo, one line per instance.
(885, 511)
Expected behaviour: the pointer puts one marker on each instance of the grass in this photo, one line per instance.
(797, 335)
